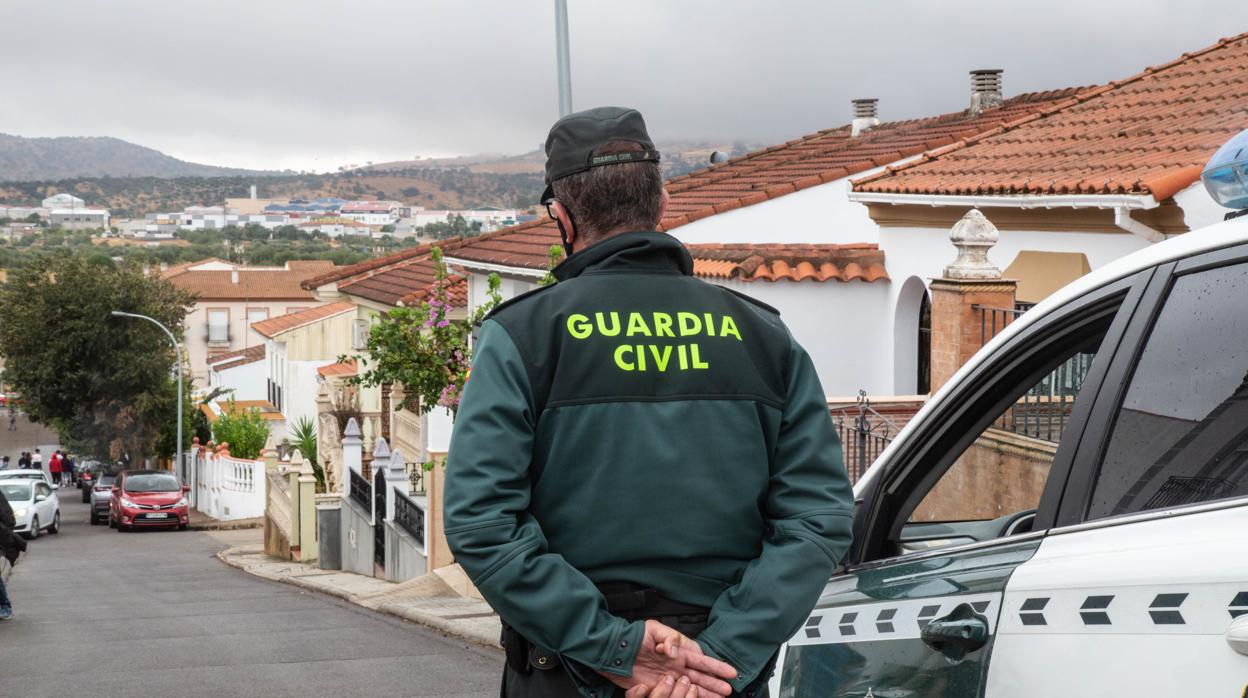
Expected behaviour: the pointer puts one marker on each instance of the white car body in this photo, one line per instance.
(1148, 603)
(22, 495)
(27, 474)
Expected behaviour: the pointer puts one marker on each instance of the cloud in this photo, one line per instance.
(320, 83)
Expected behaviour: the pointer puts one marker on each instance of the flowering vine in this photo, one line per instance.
(422, 348)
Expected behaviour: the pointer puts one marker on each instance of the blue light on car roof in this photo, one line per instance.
(1226, 175)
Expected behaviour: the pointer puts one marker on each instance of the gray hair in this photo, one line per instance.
(611, 198)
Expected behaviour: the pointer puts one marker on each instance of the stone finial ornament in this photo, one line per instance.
(974, 235)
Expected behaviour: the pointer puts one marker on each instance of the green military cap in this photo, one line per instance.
(572, 140)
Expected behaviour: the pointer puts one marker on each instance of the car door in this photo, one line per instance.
(1144, 585)
(963, 499)
(46, 508)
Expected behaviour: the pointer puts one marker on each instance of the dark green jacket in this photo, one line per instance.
(632, 423)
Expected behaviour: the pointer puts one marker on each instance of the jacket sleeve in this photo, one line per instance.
(809, 511)
(496, 540)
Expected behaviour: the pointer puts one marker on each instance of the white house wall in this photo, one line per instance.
(841, 326)
(1199, 209)
(247, 381)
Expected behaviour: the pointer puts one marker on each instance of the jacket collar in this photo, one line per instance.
(644, 250)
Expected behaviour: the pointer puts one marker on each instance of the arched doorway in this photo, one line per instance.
(912, 339)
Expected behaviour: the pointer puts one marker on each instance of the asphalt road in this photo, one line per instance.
(103, 613)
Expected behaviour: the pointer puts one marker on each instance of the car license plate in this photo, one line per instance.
(157, 516)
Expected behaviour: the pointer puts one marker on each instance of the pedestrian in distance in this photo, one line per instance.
(70, 467)
(54, 467)
(12, 418)
(11, 546)
(36, 460)
(643, 478)
(4, 462)
(23, 461)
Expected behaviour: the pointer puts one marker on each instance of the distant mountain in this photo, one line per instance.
(32, 159)
(679, 157)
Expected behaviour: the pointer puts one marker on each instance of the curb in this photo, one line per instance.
(225, 525)
(391, 608)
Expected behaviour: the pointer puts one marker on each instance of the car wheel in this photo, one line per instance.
(34, 528)
(86, 496)
(112, 523)
(182, 527)
(56, 523)
(95, 520)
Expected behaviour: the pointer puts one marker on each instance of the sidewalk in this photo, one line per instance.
(430, 600)
(200, 521)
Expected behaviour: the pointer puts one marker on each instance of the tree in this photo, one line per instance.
(244, 430)
(104, 383)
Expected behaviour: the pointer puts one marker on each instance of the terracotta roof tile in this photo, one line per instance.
(792, 262)
(238, 357)
(284, 323)
(254, 283)
(770, 173)
(342, 368)
(1148, 134)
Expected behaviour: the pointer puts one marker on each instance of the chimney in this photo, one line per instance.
(865, 116)
(234, 276)
(253, 192)
(985, 90)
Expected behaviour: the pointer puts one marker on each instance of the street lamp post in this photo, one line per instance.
(177, 348)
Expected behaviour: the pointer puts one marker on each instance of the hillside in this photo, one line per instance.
(679, 157)
(32, 159)
(133, 197)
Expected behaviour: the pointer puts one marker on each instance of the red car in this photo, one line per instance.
(148, 498)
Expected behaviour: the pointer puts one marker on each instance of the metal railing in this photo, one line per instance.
(1044, 411)
(993, 320)
(361, 491)
(409, 516)
(864, 433)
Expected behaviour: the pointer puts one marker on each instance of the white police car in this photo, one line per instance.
(1068, 515)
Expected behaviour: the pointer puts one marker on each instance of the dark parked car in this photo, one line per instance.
(100, 494)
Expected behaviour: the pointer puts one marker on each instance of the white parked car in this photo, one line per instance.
(35, 506)
(1068, 515)
(26, 474)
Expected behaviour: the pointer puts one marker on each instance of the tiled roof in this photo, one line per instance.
(234, 359)
(342, 368)
(798, 262)
(253, 283)
(773, 172)
(284, 323)
(1148, 134)
(409, 280)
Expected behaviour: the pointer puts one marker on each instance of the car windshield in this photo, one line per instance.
(151, 482)
(106, 480)
(16, 491)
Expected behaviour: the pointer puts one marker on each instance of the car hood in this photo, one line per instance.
(153, 497)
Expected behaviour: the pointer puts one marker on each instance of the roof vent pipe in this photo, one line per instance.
(866, 116)
(985, 90)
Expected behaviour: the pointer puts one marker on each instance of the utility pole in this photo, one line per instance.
(177, 349)
(562, 58)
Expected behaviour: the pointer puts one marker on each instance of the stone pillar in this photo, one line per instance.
(352, 451)
(439, 552)
(305, 485)
(964, 297)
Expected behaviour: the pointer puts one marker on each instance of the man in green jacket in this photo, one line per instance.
(643, 479)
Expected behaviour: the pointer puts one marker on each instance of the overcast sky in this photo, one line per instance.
(314, 84)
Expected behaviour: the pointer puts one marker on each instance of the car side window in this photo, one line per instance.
(1181, 433)
(990, 486)
(43, 489)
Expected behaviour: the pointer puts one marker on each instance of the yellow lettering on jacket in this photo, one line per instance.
(579, 326)
(661, 359)
(619, 357)
(663, 325)
(615, 324)
(637, 325)
(729, 328)
(689, 323)
(696, 360)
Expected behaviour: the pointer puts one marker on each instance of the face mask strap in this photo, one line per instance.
(563, 234)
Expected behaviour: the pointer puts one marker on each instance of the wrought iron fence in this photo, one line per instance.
(361, 491)
(409, 516)
(415, 478)
(1044, 411)
(864, 433)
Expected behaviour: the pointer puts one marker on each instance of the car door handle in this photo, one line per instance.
(1237, 634)
(961, 632)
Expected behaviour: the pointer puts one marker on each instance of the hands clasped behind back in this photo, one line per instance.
(671, 665)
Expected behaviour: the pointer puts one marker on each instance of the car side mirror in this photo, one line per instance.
(40, 498)
(186, 488)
